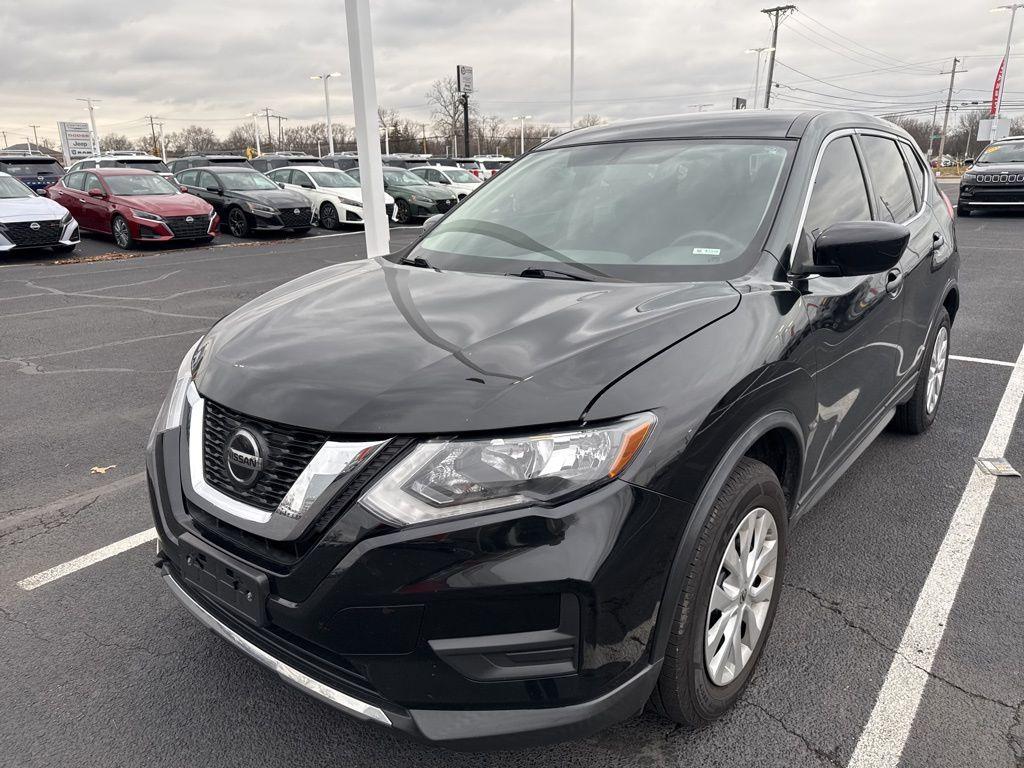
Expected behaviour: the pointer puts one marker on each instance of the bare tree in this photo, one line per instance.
(589, 120)
(113, 142)
(446, 103)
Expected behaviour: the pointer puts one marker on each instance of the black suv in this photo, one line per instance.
(247, 200)
(269, 162)
(204, 161)
(511, 483)
(995, 181)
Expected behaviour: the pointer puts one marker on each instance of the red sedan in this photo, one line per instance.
(134, 206)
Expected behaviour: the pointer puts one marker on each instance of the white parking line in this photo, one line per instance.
(65, 569)
(885, 736)
(984, 360)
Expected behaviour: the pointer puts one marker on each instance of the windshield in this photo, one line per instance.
(241, 181)
(333, 179)
(646, 210)
(459, 176)
(13, 188)
(402, 178)
(146, 165)
(140, 184)
(1011, 152)
(30, 168)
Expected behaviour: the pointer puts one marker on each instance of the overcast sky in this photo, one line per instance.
(211, 62)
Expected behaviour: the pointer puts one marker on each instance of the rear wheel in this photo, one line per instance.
(329, 216)
(238, 223)
(403, 213)
(728, 602)
(122, 234)
(917, 414)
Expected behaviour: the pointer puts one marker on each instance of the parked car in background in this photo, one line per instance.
(414, 198)
(538, 469)
(995, 180)
(458, 180)
(134, 206)
(268, 162)
(336, 197)
(203, 161)
(247, 200)
(33, 169)
(138, 160)
(28, 220)
(482, 167)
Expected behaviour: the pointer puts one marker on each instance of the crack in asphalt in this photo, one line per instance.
(1015, 736)
(832, 758)
(46, 525)
(130, 647)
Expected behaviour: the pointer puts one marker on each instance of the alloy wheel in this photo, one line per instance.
(403, 213)
(237, 223)
(741, 596)
(122, 236)
(937, 369)
(328, 216)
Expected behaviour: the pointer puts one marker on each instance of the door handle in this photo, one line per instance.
(894, 282)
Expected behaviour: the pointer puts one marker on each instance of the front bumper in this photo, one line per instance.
(992, 196)
(524, 626)
(276, 222)
(203, 227)
(16, 237)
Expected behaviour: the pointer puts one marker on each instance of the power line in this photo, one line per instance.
(777, 13)
(851, 90)
(856, 57)
(850, 39)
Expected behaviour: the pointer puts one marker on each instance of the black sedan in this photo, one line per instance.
(248, 201)
(511, 483)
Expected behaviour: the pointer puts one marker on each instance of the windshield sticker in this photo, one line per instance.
(707, 251)
(990, 150)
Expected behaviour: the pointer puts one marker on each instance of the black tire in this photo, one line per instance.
(64, 248)
(403, 213)
(329, 217)
(685, 692)
(238, 223)
(962, 211)
(122, 233)
(914, 416)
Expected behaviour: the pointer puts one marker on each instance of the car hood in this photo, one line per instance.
(167, 205)
(427, 191)
(378, 348)
(999, 168)
(277, 198)
(22, 208)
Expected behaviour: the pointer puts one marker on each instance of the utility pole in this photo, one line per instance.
(931, 133)
(949, 99)
(163, 146)
(270, 136)
(778, 13)
(423, 127)
(256, 130)
(465, 122)
(572, 61)
(92, 121)
(5, 138)
(152, 131)
(35, 135)
(280, 133)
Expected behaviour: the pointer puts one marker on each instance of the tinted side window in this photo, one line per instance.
(918, 173)
(894, 199)
(75, 181)
(92, 181)
(187, 177)
(206, 179)
(839, 192)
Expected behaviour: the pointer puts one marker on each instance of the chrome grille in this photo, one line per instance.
(32, 233)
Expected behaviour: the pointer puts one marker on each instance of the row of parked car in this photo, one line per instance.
(138, 198)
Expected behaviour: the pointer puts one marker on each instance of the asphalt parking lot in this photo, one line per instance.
(104, 667)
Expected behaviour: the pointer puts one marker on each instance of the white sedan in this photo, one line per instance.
(30, 221)
(336, 198)
(457, 180)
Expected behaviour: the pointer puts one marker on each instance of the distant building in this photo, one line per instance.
(54, 153)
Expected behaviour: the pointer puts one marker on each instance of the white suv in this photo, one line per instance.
(124, 160)
(458, 180)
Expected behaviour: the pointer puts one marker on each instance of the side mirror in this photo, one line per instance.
(183, 188)
(431, 222)
(215, 190)
(280, 184)
(97, 192)
(968, 161)
(41, 192)
(443, 180)
(854, 248)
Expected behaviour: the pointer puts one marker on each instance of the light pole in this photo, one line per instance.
(757, 69)
(522, 131)
(1012, 8)
(256, 130)
(572, 61)
(90, 105)
(35, 134)
(327, 104)
(163, 146)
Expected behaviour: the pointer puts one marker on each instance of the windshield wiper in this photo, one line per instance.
(418, 261)
(553, 274)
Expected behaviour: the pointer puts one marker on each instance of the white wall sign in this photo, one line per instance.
(991, 130)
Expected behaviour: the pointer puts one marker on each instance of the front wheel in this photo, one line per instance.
(403, 213)
(918, 413)
(329, 216)
(122, 234)
(728, 601)
(238, 223)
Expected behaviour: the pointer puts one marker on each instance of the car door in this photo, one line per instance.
(931, 244)
(854, 321)
(304, 185)
(208, 187)
(94, 209)
(69, 194)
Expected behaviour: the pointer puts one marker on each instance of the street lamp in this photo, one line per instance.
(572, 61)
(327, 103)
(757, 71)
(256, 129)
(522, 131)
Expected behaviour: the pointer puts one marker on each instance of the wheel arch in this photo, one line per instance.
(951, 301)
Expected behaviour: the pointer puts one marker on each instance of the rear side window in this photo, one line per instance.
(839, 192)
(75, 181)
(894, 198)
(918, 173)
(188, 177)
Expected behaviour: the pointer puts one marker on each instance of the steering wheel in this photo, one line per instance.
(703, 234)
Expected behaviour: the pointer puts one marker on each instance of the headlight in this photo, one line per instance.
(169, 415)
(353, 203)
(146, 215)
(258, 208)
(970, 177)
(66, 219)
(413, 199)
(449, 478)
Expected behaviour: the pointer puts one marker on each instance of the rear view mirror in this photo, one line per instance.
(855, 248)
(96, 192)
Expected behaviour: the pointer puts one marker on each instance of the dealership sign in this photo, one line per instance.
(76, 140)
